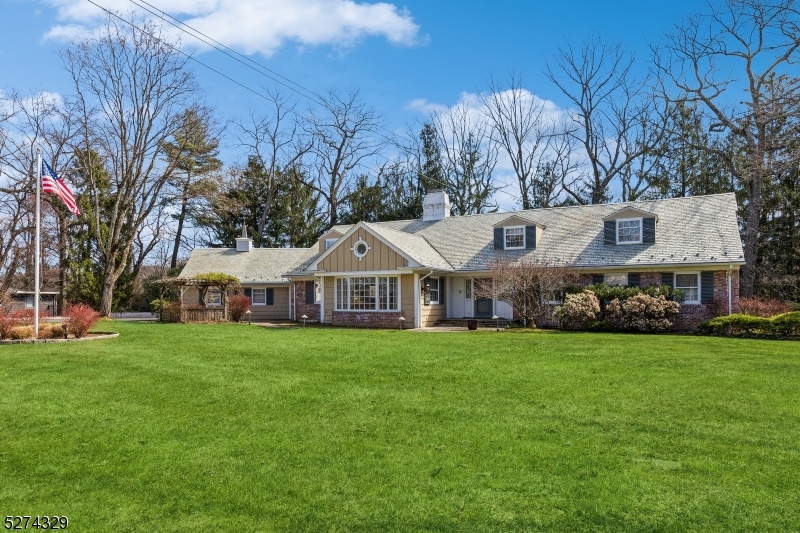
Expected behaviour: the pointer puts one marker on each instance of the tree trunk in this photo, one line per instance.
(177, 247)
(753, 218)
(107, 294)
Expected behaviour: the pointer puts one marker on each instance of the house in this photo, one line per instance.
(372, 274)
(24, 300)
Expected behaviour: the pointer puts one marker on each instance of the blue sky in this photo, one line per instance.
(394, 53)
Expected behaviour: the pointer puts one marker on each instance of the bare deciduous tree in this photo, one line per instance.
(532, 136)
(344, 138)
(737, 59)
(278, 143)
(469, 156)
(132, 86)
(613, 119)
(527, 284)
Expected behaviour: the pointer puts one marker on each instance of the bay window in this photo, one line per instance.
(368, 293)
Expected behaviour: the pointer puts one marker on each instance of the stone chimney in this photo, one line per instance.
(436, 205)
(244, 243)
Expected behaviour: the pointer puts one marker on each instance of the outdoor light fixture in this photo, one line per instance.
(249, 314)
(401, 319)
(304, 317)
(496, 322)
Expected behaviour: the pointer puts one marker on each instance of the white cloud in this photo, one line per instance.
(261, 26)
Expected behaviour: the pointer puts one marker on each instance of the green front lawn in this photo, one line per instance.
(241, 428)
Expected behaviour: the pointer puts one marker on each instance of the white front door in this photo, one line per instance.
(469, 303)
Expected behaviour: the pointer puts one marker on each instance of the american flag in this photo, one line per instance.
(52, 184)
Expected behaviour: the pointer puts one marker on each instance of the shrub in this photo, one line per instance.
(607, 293)
(21, 332)
(7, 323)
(238, 305)
(642, 312)
(763, 307)
(786, 324)
(578, 310)
(736, 324)
(80, 318)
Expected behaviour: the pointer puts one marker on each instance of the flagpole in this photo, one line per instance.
(37, 260)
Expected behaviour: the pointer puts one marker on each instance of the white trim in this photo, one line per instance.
(505, 238)
(641, 230)
(417, 302)
(322, 300)
(606, 274)
(357, 273)
(355, 251)
(361, 225)
(376, 309)
(331, 241)
(252, 298)
(699, 286)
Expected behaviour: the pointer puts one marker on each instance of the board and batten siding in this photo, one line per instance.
(379, 256)
(329, 289)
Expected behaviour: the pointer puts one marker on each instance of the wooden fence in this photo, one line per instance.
(203, 314)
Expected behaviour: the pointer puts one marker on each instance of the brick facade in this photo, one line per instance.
(300, 306)
(371, 319)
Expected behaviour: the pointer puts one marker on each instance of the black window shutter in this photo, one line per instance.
(310, 292)
(498, 239)
(530, 237)
(249, 293)
(597, 279)
(610, 232)
(633, 279)
(441, 291)
(270, 296)
(649, 230)
(707, 287)
(668, 279)
(200, 297)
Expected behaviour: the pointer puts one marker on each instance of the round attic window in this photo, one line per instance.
(360, 249)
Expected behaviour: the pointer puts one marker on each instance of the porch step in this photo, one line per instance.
(482, 322)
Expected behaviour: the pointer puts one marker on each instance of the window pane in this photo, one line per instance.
(341, 293)
(468, 290)
(259, 296)
(688, 283)
(362, 293)
(629, 230)
(515, 237)
(616, 279)
(434, 290)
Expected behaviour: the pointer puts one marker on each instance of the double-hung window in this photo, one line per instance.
(619, 280)
(514, 237)
(629, 231)
(259, 296)
(368, 293)
(434, 290)
(689, 283)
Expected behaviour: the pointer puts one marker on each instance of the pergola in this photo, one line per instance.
(203, 283)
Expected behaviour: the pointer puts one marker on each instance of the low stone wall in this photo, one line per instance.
(371, 319)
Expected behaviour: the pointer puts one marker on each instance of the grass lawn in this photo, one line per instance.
(241, 428)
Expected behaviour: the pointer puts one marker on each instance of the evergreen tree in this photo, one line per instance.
(192, 151)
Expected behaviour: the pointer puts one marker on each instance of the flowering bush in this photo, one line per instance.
(763, 307)
(79, 319)
(238, 305)
(578, 310)
(642, 313)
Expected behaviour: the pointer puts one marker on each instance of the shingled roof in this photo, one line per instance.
(693, 230)
(259, 265)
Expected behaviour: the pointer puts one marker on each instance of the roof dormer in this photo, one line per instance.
(327, 240)
(517, 233)
(629, 226)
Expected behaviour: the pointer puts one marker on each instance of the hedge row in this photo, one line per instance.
(785, 325)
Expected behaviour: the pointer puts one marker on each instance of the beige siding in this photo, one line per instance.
(433, 312)
(407, 299)
(329, 296)
(379, 257)
(329, 235)
(260, 313)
